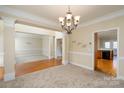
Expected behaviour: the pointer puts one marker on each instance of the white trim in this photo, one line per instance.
(121, 58)
(22, 28)
(22, 14)
(25, 15)
(1, 59)
(80, 53)
(65, 62)
(9, 21)
(120, 77)
(103, 18)
(83, 66)
(1, 54)
(24, 55)
(105, 30)
(31, 49)
(9, 76)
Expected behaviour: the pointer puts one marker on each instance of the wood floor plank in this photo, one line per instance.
(25, 68)
(29, 67)
(1, 73)
(106, 66)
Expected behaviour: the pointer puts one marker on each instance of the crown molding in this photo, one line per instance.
(25, 15)
(53, 25)
(103, 18)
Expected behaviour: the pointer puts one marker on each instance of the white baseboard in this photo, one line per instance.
(9, 76)
(65, 62)
(120, 77)
(83, 66)
(50, 57)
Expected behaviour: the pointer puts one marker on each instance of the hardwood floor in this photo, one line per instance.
(106, 66)
(25, 68)
(1, 73)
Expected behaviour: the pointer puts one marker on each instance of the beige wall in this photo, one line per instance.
(102, 43)
(28, 46)
(79, 43)
(41, 31)
(1, 43)
(31, 44)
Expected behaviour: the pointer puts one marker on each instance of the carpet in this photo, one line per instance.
(63, 76)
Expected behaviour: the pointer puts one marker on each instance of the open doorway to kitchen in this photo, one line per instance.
(106, 51)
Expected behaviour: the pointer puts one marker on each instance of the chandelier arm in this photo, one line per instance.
(68, 8)
(69, 22)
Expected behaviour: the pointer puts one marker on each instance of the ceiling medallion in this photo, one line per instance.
(69, 22)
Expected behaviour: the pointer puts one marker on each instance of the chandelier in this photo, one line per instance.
(69, 22)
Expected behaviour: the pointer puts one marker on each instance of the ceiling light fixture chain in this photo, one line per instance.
(69, 22)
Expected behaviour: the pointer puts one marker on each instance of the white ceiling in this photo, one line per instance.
(52, 12)
(108, 35)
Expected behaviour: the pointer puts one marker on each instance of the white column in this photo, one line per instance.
(1, 43)
(9, 48)
(65, 45)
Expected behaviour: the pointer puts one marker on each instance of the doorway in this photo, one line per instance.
(59, 49)
(32, 52)
(1, 51)
(106, 51)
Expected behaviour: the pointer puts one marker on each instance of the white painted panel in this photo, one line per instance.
(81, 59)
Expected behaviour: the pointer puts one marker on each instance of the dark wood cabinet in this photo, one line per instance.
(104, 54)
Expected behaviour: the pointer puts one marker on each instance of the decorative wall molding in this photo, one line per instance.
(27, 52)
(80, 53)
(9, 21)
(26, 55)
(30, 49)
(25, 15)
(83, 66)
(53, 25)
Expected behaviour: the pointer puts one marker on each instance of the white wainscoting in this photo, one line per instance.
(80, 53)
(81, 59)
(31, 52)
(120, 70)
(1, 59)
(83, 66)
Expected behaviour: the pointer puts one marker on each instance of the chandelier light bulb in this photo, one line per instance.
(77, 18)
(69, 16)
(61, 19)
